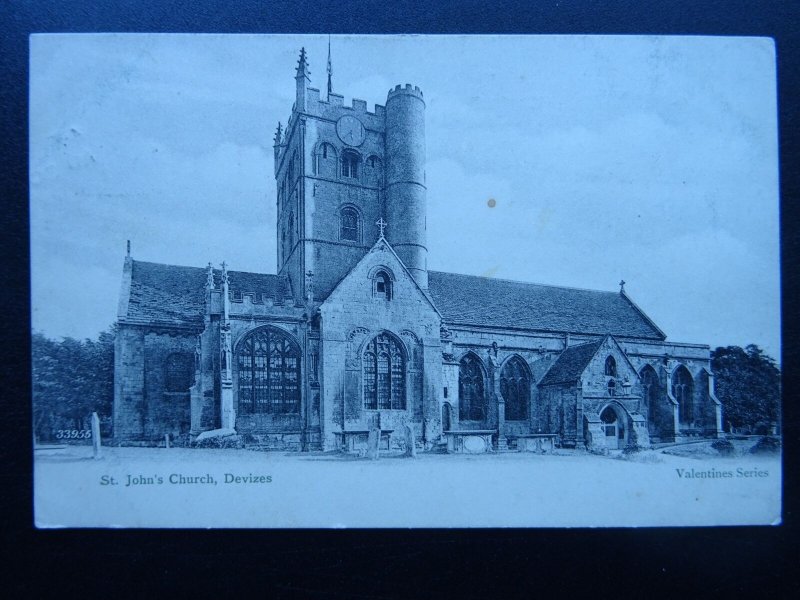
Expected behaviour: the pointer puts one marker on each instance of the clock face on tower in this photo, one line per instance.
(350, 130)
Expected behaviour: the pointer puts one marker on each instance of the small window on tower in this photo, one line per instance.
(350, 165)
(373, 171)
(349, 229)
(325, 160)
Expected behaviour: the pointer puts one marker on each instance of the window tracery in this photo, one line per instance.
(384, 374)
(471, 397)
(268, 363)
(515, 386)
(683, 390)
(349, 225)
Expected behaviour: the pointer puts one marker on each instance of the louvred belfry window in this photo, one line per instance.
(268, 363)
(384, 374)
(350, 165)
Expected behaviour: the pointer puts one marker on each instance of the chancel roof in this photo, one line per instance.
(172, 295)
(488, 302)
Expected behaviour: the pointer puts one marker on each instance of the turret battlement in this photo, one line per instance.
(408, 89)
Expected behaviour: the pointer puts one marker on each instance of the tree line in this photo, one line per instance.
(73, 378)
(748, 384)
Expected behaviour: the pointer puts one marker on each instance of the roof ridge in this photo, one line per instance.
(147, 262)
(548, 285)
(586, 343)
(159, 264)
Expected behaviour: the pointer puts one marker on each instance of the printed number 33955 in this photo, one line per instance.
(73, 434)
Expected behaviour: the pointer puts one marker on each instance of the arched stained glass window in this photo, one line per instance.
(515, 386)
(268, 363)
(471, 397)
(178, 372)
(611, 367)
(683, 390)
(349, 225)
(384, 374)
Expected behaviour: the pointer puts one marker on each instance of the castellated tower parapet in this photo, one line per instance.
(405, 179)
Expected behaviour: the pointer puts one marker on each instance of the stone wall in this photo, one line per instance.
(559, 412)
(143, 408)
(129, 377)
(538, 352)
(165, 412)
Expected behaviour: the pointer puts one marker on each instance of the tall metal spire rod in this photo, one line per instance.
(330, 68)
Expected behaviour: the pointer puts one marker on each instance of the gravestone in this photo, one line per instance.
(166, 440)
(96, 435)
(373, 443)
(411, 446)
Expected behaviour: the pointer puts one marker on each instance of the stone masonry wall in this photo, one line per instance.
(165, 412)
(129, 377)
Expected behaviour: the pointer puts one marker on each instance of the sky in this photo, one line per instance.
(648, 159)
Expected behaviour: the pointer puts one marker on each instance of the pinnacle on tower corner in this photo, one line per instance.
(302, 65)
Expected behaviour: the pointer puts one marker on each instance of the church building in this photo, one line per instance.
(354, 332)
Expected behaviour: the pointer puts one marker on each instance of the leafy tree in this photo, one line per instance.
(71, 379)
(748, 383)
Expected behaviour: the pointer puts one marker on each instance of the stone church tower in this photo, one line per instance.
(339, 169)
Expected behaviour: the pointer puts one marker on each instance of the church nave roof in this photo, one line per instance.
(484, 301)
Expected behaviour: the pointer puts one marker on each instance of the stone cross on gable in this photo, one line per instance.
(381, 225)
(621, 285)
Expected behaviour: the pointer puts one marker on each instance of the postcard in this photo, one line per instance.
(293, 281)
